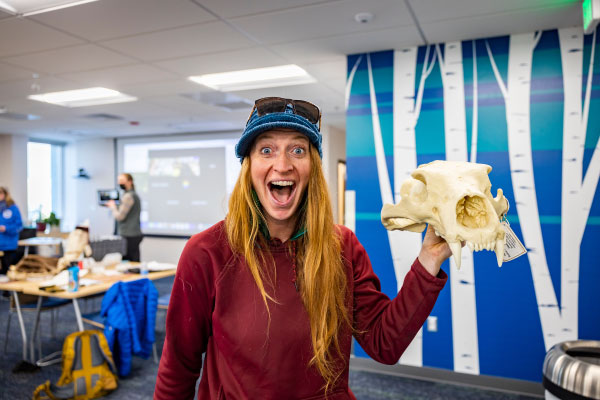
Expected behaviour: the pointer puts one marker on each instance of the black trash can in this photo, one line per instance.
(572, 371)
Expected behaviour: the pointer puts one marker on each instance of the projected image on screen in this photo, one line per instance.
(184, 185)
(192, 181)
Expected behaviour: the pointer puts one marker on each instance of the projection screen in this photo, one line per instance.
(184, 182)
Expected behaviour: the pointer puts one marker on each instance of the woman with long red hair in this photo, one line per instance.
(272, 295)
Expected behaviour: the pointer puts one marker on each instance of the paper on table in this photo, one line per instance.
(156, 266)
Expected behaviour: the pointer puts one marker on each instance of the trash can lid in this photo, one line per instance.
(572, 370)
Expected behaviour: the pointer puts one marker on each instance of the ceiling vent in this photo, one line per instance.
(225, 101)
(104, 117)
(18, 117)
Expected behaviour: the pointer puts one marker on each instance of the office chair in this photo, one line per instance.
(51, 304)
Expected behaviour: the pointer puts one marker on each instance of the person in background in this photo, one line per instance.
(273, 295)
(10, 226)
(127, 215)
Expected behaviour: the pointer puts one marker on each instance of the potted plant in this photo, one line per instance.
(40, 223)
(52, 221)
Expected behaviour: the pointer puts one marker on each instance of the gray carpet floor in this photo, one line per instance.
(140, 383)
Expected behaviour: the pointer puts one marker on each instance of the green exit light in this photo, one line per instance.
(591, 15)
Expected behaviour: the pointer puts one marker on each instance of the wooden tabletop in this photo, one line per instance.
(84, 291)
(41, 241)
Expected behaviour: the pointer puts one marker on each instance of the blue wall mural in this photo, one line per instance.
(529, 106)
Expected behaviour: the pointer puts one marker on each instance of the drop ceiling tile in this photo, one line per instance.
(166, 88)
(183, 105)
(10, 73)
(329, 49)
(255, 57)
(231, 8)
(21, 36)
(435, 10)
(330, 73)
(108, 19)
(131, 111)
(323, 97)
(70, 59)
(117, 77)
(25, 87)
(501, 24)
(181, 42)
(324, 20)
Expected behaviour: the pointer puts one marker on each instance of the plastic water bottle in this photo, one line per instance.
(73, 279)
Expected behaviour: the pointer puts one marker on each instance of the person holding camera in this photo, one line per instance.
(127, 215)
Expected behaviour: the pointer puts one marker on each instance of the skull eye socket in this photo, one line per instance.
(418, 191)
(471, 212)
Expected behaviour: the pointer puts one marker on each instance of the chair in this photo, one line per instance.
(48, 304)
(128, 317)
(163, 301)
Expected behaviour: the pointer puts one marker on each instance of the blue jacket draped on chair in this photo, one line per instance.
(129, 311)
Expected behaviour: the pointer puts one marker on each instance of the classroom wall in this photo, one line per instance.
(529, 106)
(80, 197)
(13, 169)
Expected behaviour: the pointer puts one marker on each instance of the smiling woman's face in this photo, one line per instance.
(280, 167)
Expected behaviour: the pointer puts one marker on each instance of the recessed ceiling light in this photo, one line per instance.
(283, 75)
(32, 7)
(83, 97)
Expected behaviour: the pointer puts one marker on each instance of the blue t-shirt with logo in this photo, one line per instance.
(10, 218)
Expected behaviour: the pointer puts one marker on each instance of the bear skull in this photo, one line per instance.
(455, 199)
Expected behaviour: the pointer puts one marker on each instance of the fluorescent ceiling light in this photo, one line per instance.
(32, 7)
(284, 75)
(83, 97)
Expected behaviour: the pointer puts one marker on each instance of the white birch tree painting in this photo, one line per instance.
(558, 323)
(577, 190)
(462, 281)
(404, 246)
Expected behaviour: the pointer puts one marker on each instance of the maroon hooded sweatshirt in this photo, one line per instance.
(216, 308)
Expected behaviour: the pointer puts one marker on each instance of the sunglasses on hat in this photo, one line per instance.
(270, 105)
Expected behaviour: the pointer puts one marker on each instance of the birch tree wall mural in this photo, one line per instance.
(529, 106)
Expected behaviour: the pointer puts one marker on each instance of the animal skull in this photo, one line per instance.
(455, 198)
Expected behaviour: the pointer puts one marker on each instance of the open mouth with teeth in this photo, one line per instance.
(496, 246)
(282, 191)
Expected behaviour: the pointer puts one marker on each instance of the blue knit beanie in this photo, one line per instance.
(287, 120)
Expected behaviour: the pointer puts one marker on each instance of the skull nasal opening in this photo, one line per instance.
(471, 212)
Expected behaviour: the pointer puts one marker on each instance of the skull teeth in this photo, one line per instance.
(456, 249)
(495, 246)
(481, 246)
(500, 251)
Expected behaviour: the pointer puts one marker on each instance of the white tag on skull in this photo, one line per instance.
(513, 248)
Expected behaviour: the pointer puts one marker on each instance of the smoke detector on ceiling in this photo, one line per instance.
(364, 17)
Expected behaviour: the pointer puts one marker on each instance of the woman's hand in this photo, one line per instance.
(434, 251)
(111, 204)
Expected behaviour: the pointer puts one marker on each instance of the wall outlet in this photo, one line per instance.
(432, 324)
